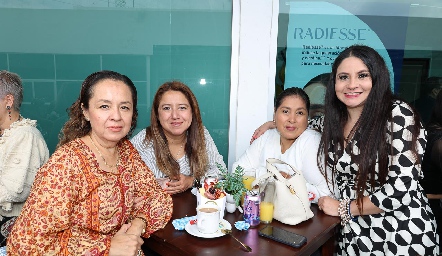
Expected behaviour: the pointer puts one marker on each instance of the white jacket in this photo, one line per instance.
(22, 151)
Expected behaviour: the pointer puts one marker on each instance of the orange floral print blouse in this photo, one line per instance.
(75, 208)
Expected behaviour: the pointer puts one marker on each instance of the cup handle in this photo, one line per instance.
(210, 201)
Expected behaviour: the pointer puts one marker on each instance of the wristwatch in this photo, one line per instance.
(196, 183)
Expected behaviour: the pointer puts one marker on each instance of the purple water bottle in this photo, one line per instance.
(251, 208)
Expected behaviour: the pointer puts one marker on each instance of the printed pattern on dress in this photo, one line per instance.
(75, 208)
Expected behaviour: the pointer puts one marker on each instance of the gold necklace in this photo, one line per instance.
(181, 147)
(179, 151)
(104, 160)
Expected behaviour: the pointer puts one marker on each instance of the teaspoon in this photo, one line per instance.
(229, 232)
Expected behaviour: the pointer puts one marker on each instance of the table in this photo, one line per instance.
(319, 230)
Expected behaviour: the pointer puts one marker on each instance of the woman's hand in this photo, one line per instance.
(285, 175)
(138, 202)
(163, 182)
(328, 205)
(124, 243)
(262, 129)
(178, 186)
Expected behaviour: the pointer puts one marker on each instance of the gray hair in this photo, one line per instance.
(10, 83)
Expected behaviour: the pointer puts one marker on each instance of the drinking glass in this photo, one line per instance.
(247, 180)
(266, 206)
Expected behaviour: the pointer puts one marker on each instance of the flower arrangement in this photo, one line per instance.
(232, 182)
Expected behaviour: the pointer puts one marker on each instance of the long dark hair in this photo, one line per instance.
(196, 144)
(77, 126)
(371, 132)
(435, 122)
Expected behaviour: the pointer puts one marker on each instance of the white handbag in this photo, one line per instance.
(291, 202)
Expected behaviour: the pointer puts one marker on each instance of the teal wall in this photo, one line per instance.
(189, 64)
(54, 50)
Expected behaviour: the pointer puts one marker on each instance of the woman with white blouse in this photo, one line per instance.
(177, 147)
(290, 142)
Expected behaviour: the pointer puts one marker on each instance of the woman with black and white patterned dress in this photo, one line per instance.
(374, 145)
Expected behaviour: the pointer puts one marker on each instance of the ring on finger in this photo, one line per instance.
(139, 253)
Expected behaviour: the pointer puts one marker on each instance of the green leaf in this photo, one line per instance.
(231, 182)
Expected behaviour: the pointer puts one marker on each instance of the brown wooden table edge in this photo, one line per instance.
(327, 241)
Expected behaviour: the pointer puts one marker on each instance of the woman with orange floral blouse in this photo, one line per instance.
(95, 195)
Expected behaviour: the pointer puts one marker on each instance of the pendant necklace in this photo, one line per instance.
(104, 160)
(179, 151)
(351, 133)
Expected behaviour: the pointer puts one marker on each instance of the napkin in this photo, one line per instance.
(179, 224)
(242, 225)
(3, 251)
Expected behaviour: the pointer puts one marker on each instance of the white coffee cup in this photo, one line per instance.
(208, 217)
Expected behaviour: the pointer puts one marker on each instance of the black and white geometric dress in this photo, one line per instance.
(407, 225)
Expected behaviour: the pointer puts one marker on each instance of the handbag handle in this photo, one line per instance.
(273, 171)
(278, 175)
(261, 178)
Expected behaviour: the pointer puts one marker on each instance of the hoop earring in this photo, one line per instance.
(9, 112)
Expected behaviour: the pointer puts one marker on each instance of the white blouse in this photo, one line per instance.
(302, 155)
(147, 153)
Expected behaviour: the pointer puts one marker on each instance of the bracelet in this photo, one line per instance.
(141, 218)
(343, 211)
(353, 218)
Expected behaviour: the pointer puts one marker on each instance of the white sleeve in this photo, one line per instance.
(316, 183)
(25, 152)
(213, 155)
(251, 159)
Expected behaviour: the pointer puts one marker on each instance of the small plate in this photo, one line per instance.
(193, 230)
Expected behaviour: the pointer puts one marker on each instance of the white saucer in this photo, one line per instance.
(193, 230)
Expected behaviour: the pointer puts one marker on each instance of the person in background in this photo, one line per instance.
(290, 142)
(432, 163)
(177, 147)
(424, 104)
(95, 195)
(315, 90)
(22, 151)
(373, 145)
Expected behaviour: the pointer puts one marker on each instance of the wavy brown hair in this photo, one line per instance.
(372, 132)
(195, 148)
(77, 126)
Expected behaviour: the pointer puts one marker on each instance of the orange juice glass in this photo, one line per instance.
(247, 180)
(266, 212)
